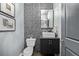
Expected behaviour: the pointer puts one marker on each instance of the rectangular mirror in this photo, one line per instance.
(47, 19)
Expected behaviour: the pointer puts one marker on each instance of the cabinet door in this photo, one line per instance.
(44, 46)
(56, 45)
(50, 47)
(53, 46)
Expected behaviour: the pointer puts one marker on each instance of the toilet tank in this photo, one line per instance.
(30, 42)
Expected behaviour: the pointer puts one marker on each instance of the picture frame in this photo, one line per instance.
(7, 24)
(8, 8)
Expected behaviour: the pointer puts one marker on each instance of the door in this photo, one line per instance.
(71, 39)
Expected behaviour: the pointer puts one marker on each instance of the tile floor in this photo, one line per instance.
(37, 54)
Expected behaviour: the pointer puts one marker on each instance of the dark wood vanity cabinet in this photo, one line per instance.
(49, 46)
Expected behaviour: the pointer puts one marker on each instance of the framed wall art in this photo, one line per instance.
(8, 8)
(6, 24)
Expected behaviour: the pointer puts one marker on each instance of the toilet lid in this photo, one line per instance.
(28, 51)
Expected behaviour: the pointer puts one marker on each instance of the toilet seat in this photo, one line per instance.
(28, 51)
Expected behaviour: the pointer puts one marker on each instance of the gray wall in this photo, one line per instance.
(57, 20)
(32, 18)
(12, 43)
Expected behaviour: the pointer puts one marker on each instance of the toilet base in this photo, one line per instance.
(28, 51)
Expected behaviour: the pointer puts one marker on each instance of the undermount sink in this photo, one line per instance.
(48, 35)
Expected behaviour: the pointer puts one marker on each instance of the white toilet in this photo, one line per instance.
(28, 51)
